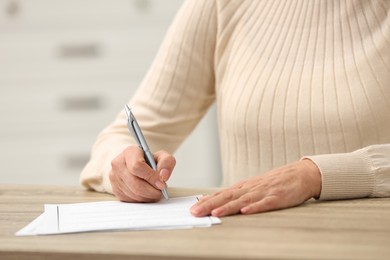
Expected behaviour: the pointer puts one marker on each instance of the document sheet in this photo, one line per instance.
(114, 215)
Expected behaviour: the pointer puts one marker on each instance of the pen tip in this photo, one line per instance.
(165, 194)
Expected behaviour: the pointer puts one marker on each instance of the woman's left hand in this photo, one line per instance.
(284, 187)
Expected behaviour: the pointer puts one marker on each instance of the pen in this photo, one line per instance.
(139, 137)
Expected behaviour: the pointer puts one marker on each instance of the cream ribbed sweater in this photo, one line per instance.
(292, 79)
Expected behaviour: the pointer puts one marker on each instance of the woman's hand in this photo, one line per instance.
(280, 188)
(133, 180)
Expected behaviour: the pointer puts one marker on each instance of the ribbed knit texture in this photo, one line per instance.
(291, 79)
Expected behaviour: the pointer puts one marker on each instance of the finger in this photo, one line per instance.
(165, 164)
(205, 207)
(164, 175)
(118, 189)
(136, 165)
(267, 204)
(205, 197)
(125, 195)
(210, 196)
(235, 206)
(129, 187)
(140, 189)
(225, 191)
(117, 167)
(133, 189)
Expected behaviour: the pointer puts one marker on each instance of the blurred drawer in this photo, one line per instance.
(57, 160)
(58, 70)
(72, 55)
(120, 44)
(57, 112)
(22, 15)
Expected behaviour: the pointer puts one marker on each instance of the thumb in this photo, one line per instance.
(165, 164)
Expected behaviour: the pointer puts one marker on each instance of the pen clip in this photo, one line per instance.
(130, 125)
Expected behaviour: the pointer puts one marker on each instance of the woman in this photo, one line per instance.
(303, 104)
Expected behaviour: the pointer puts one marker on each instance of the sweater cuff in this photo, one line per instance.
(345, 175)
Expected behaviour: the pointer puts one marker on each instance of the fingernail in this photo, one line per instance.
(164, 174)
(160, 185)
(196, 210)
(216, 212)
(245, 210)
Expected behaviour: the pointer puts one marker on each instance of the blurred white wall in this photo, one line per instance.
(66, 69)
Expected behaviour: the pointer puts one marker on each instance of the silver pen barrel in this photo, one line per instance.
(135, 129)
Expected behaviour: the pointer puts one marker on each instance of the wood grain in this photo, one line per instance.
(350, 229)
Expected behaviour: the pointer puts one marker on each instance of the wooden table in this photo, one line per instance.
(354, 229)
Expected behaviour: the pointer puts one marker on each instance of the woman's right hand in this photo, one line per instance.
(133, 180)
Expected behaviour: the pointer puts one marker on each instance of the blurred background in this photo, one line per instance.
(66, 69)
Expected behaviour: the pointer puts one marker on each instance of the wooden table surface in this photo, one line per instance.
(353, 229)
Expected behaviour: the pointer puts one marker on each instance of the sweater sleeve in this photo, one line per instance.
(362, 173)
(173, 97)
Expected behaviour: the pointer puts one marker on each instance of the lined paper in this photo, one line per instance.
(114, 215)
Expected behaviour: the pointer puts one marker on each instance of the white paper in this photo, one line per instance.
(114, 215)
